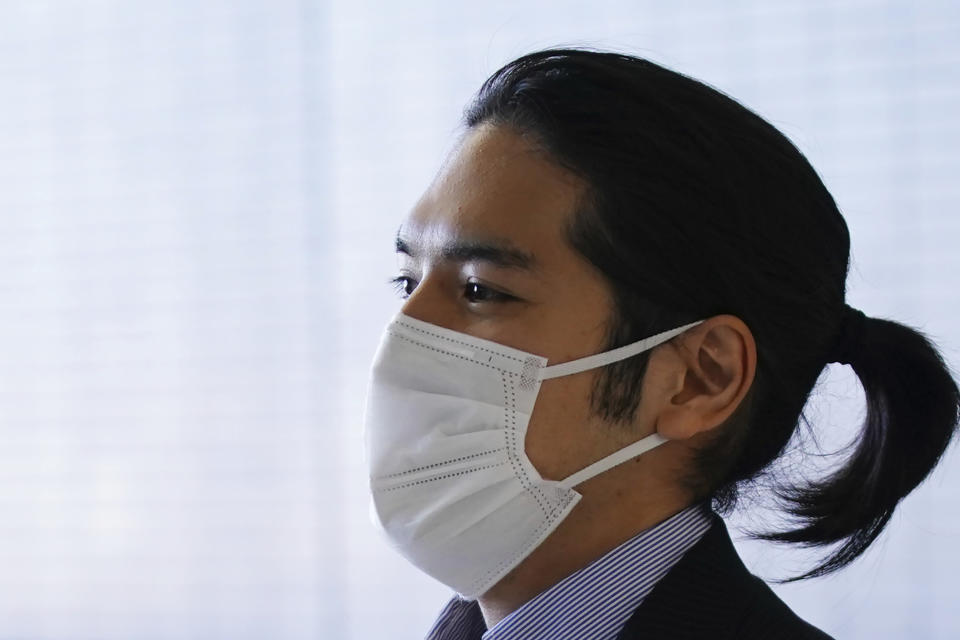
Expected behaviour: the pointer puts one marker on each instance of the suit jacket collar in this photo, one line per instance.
(711, 594)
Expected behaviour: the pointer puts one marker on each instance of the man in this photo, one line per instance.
(619, 290)
(484, 253)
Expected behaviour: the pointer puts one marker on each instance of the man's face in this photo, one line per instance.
(484, 252)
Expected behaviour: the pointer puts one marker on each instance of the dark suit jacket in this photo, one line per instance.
(710, 594)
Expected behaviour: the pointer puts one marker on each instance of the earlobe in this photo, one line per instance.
(713, 366)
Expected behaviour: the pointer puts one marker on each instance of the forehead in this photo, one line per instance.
(495, 185)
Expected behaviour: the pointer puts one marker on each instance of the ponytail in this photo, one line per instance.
(913, 407)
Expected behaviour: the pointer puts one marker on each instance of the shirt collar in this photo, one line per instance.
(593, 603)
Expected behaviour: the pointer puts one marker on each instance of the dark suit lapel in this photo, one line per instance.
(703, 596)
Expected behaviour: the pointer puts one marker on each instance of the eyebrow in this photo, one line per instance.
(497, 253)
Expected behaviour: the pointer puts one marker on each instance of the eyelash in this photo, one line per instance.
(402, 285)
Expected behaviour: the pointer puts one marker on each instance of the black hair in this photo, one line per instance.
(695, 206)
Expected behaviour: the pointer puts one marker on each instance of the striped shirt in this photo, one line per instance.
(595, 602)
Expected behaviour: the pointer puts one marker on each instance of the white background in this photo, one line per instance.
(197, 204)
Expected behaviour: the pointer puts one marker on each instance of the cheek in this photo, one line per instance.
(562, 437)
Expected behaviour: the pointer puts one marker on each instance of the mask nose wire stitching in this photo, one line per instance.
(407, 323)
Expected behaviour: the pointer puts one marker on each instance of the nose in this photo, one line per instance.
(433, 300)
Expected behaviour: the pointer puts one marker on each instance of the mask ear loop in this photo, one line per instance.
(616, 458)
(614, 355)
(599, 360)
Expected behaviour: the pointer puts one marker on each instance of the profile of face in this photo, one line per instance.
(485, 252)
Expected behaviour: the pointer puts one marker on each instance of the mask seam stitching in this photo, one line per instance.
(449, 353)
(510, 422)
(440, 464)
(459, 342)
(533, 540)
(443, 477)
(511, 433)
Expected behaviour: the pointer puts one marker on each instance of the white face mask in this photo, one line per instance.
(445, 423)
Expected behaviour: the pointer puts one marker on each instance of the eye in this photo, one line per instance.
(404, 286)
(475, 292)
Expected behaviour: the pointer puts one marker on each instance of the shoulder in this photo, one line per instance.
(711, 594)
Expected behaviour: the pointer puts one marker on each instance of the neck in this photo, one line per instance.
(602, 520)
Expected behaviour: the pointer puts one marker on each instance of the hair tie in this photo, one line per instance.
(850, 337)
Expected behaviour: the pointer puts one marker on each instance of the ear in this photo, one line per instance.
(706, 372)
